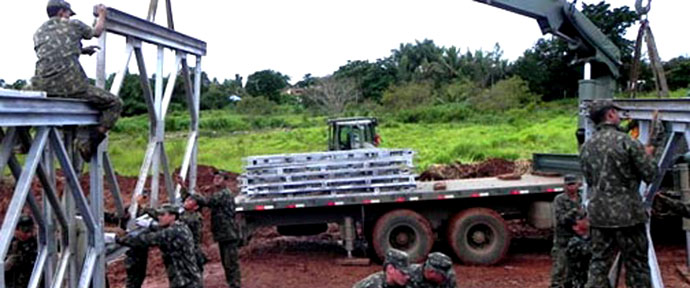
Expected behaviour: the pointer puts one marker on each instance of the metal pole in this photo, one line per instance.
(684, 183)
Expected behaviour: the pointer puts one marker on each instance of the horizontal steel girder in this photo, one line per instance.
(40, 111)
(124, 24)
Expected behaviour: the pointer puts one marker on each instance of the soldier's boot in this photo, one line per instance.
(88, 141)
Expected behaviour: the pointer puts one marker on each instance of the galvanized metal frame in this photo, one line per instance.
(58, 260)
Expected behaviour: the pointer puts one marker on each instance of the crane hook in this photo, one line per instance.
(642, 10)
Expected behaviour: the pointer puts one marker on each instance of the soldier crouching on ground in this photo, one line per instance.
(224, 226)
(396, 272)
(579, 254)
(58, 71)
(567, 209)
(176, 243)
(436, 272)
(22, 254)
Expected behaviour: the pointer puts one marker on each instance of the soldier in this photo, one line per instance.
(192, 217)
(22, 254)
(614, 164)
(396, 272)
(224, 226)
(176, 243)
(436, 272)
(58, 71)
(567, 209)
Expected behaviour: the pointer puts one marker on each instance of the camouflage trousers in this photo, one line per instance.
(558, 266)
(632, 243)
(18, 278)
(101, 100)
(579, 254)
(135, 265)
(231, 263)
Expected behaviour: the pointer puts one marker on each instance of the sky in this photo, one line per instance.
(314, 36)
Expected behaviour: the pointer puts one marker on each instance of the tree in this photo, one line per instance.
(678, 72)
(370, 79)
(17, 85)
(306, 81)
(331, 94)
(2, 83)
(267, 83)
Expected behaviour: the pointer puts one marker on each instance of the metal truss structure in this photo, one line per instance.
(47, 126)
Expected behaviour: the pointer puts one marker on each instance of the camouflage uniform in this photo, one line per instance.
(566, 212)
(398, 259)
(58, 71)
(438, 262)
(614, 164)
(579, 253)
(177, 246)
(21, 256)
(136, 257)
(193, 220)
(225, 231)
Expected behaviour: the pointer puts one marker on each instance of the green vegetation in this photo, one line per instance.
(457, 133)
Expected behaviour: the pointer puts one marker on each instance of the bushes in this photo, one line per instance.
(506, 94)
(256, 106)
(408, 96)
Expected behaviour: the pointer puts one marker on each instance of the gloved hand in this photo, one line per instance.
(144, 221)
(89, 50)
(109, 237)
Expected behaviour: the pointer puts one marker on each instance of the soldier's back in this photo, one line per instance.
(376, 280)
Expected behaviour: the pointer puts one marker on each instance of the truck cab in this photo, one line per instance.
(352, 133)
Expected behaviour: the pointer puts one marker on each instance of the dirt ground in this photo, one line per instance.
(272, 260)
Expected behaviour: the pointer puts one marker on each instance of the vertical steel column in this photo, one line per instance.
(96, 195)
(49, 270)
(195, 124)
(68, 202)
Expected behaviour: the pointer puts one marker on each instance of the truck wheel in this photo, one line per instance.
(479, 236)
(404, 230)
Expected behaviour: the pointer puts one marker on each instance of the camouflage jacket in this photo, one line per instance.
(614, 164)
(20, 262)
(565, 212)
(58, 45)
(376, 280)
(223, 224)
(177, 246)
(194, 222)
(417, 279)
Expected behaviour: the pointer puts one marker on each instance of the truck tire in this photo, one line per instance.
(479, 236)
(404, 230)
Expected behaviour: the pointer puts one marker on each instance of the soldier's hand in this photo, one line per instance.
(649, 149)
(89, 50)
(100, 9)
(141, 200)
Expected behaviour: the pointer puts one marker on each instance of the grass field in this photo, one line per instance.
(226, 137)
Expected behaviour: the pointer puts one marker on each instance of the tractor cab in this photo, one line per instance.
(352, 133)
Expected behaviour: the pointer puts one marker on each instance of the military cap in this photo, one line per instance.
(62, 4)
(168, 208)
(439, 262)
(570, 179)
(26, 223)
(598, 107)
(398, 259)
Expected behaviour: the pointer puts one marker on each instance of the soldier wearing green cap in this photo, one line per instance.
(22, 254)
(58, 72)
(436, 272)
(176, 243)
(567, 211)
(396, 272)
(613, 165)
(223, 225)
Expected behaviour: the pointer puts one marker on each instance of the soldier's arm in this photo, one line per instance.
(644, 163)
(564, 216)
(674, 205)
(144, 239)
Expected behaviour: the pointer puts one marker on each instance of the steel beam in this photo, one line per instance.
(127, 25)
(33, 111)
